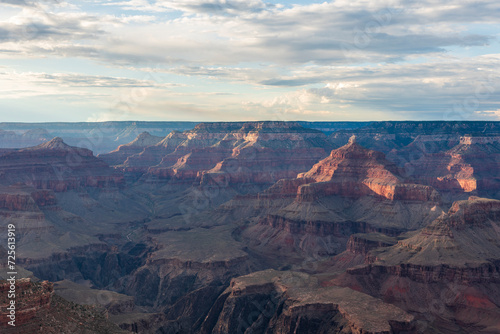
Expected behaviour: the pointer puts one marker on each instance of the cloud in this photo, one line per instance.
(446, 89)
(33, 24)
(26, 84)
(305, 60)
(215, 7)
(18, 3)
(79, 80)
(323, 33)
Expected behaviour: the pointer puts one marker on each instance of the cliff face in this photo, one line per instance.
(468, 167)
(353, 190)
(248, 153)
(30, 299)
(457, 255)
(38, 310)
(152, 155)
(285, 302)
(56, 166)
(258, 153)
(23, 206)
(353, 171)
(123, 152)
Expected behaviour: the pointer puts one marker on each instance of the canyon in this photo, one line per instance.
(254, 227)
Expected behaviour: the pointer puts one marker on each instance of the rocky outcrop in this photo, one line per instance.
(258, 153)
(365, 242)
(285, 302)
(357, 251)
(38, 310)
(353, 171)
(123, 152)
(468, 167)
(56, 166)
(17, 202)
(456, 255)
(30, 299)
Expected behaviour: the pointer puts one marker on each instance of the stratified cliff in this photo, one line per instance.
(56, 166)
(241, 154)
(291, 302)
(353, 190)
(186, 233)
(353, 171)
(38, 310)
(469, 167)
(448, 273)
(121, 154)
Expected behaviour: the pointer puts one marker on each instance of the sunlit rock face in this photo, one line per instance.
(258, 153)
(469, 167)
(353, 171)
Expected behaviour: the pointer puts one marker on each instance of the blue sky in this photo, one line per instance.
(227, 60)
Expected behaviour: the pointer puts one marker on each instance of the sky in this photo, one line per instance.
(233, 60)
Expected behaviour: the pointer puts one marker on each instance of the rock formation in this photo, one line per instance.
(452, 265)
(121, 154)
(469, 167)
(353, 190)
(287, 302)
(56, 166)
(38, 310)
(30, 300)
(353, 171)
(253, 226)
(33, 137)
(257, 153)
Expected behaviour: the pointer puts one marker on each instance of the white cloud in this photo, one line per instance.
(314, 60)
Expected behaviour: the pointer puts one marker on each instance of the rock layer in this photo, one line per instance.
(285, 302)
(121, 154)
(56, 166)
(453, 262)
